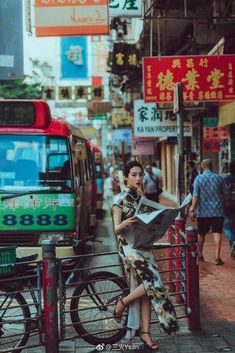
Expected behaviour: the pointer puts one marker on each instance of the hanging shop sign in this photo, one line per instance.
(126, 57)
(148, 121)
(143, 148)
(122, 135)
(125, 8)
(48, 92)
(98, 108)
(224, 157)
(213, 135)
(121, 118)
(74, 58)
(65, 92)
(204, 77)
(71, 18)
(81, 92)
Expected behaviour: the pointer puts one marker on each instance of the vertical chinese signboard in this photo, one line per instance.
(204, 77)
(71, 18)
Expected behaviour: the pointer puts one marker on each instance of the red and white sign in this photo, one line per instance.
(204, 77)
(71, 18)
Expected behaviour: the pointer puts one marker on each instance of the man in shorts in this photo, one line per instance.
(207, 206)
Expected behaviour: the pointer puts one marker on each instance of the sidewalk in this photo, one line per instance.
(217, 302)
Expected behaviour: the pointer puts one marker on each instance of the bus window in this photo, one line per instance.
(23, 155)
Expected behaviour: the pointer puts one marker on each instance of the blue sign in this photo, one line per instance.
(74, 58)
(11, 43)
(122, 135)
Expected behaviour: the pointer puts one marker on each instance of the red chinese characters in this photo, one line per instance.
(204, 78)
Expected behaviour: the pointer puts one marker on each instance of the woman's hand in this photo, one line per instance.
(121, 226)
(129, 222)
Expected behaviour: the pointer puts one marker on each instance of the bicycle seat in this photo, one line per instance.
(28, 258)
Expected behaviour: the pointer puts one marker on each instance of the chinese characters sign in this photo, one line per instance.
(71, 18)
(204, 78)
(224, 157)
(125, 8)
(150, 122)
(125, 58)
(213, 135)
(121, 118)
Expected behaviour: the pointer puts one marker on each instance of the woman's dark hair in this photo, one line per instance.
(232, 167)
(131, 165)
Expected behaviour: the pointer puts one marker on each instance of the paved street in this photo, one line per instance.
(217, 302)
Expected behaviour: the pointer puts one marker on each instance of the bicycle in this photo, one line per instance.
(95, 296)
(16, 320)
(98, 292)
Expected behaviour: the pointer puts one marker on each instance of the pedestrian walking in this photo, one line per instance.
(151, 184)
(229, 208)
(207, 206)
(146, 287)
(191, 175)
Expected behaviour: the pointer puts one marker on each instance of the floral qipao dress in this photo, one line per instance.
(140, 265)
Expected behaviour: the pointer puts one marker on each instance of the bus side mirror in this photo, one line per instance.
(80, 151)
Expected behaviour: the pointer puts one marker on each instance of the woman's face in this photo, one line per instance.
(135, 178)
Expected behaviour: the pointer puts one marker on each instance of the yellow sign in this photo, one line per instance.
(227, 114)
(121, 118)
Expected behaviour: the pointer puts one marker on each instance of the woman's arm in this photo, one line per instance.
(119, 225)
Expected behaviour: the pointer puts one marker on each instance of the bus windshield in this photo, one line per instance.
(34, 162)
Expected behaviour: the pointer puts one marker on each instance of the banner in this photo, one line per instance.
(204, 77)
(71, 18)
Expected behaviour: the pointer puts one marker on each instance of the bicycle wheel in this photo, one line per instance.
(92, 306)
(14, 320)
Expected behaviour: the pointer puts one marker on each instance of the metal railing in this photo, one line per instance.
(62, 293)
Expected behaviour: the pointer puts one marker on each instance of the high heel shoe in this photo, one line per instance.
(118, 317)
(152, 347)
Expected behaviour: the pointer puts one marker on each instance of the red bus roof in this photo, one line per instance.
(32, 116)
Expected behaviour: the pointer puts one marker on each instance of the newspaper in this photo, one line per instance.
(154, 220)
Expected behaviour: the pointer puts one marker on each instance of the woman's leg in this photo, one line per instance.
(137, 293)
(145, 312)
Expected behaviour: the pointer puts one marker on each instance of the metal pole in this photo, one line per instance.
(170, 256)
(179, 227)
(192, 273)
(49, 282)
(180, 142)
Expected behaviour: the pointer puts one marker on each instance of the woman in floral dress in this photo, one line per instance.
(146, 287)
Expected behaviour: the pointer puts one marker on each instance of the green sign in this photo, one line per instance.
(210, 122)
(37, 212)
(99, 117)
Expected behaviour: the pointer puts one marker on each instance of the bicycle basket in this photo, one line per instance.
(7, 260)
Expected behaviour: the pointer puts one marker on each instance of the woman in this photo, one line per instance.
(145, 281)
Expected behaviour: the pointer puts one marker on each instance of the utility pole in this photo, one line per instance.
(179, 111)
